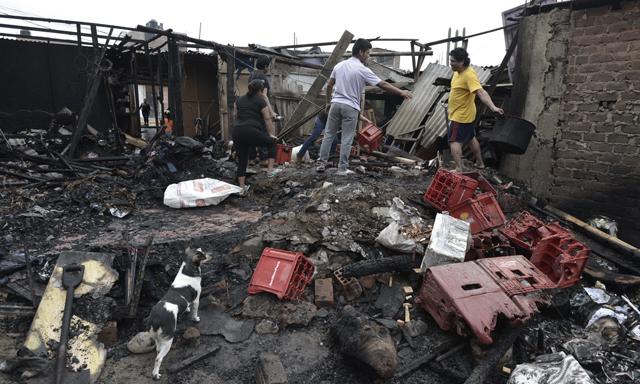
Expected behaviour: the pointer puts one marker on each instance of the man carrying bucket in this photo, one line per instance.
(462, 107)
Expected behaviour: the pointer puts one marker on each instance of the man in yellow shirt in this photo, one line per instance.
(462, 107)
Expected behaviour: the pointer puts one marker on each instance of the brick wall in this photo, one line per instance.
(597, 157)
(578, 80)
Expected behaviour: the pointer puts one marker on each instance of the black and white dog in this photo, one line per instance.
(183, 296)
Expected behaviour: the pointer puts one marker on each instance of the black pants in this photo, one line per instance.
(145, 118)
(247, 137)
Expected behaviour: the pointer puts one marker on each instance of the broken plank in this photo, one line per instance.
(210, 350)
(136, 142)
(314, 91)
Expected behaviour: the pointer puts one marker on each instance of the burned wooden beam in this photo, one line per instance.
(208, 351)
(89, 99)
(484, 368)
(314, 91)
(400, 263)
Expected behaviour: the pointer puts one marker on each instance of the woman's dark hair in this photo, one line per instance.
(460, 54)
(360, 45)
(263, 62)
(255, 86)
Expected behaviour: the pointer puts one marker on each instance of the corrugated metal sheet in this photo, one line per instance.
(436, 124)
(413, 111)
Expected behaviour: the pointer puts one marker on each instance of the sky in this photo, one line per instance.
(275, 22)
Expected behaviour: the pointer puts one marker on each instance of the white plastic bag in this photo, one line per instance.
(198, 193)
(391, 237)
(294, 155)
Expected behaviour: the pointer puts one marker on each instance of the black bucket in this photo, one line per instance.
(512, 135)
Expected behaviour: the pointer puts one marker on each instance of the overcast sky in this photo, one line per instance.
(275, 22)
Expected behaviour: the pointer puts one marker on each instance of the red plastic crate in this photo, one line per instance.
(470, 297)
(283, 153)
(370, 137)
(482, 212)
(283, 273)
(448, 189)
(561, 258)
(525, 231)
(522, 230)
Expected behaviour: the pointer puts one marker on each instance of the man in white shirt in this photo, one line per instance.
(344, 89)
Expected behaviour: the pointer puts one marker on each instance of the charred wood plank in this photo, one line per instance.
(499, 348)
(177, 367)
(400, 263)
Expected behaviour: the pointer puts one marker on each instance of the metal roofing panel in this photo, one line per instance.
(436, 124)
(413, 111)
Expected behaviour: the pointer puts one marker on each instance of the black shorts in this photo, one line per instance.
(460, 132)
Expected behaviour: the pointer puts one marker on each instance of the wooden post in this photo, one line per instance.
(175, 85)
(136, 98)
(94, 85)
(413, 61)
(446, 58)
(315, 89)
(153, 84)
(231, 97)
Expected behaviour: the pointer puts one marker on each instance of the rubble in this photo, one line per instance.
(420, 274)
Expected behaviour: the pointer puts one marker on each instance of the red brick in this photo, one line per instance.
(600, 58)
(607, 96)
(571, 135)
(588, 107)
(618, 138)
(599, 117)
(617, 86)
(633, 129)
(627, 36)
(324, 292)
(619, 27)
(629, 75)
(595, 86)
(592, 68)
(624, 118)
(609, 158)
(601, 77)
(604, 127)
(625, 149)
(599, 147)
(576, 78)
(594, 137)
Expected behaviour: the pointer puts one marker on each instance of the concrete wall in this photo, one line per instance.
(578, 80)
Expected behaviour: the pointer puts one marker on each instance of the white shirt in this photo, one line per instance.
(351, 76)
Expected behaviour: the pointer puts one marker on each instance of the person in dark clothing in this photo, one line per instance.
(253, 128)
(261, 72)
(145, 108)
(262, 68)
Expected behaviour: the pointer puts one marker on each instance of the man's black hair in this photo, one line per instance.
(263, 62)
(360, 45)
(461, 54)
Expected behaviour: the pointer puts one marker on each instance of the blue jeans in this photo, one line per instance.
(345, 117)
(317, 131)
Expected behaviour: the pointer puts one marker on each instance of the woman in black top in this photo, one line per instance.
(252, 117)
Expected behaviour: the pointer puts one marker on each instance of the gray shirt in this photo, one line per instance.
(351, 77)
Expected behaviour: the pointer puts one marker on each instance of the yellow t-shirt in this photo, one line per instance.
(462, 99)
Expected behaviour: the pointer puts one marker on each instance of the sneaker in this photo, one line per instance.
(245, 190)
(345, 172)
(250, 171)
(320, 168)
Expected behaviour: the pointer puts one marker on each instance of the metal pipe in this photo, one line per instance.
(335, 42)
(373, 54)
